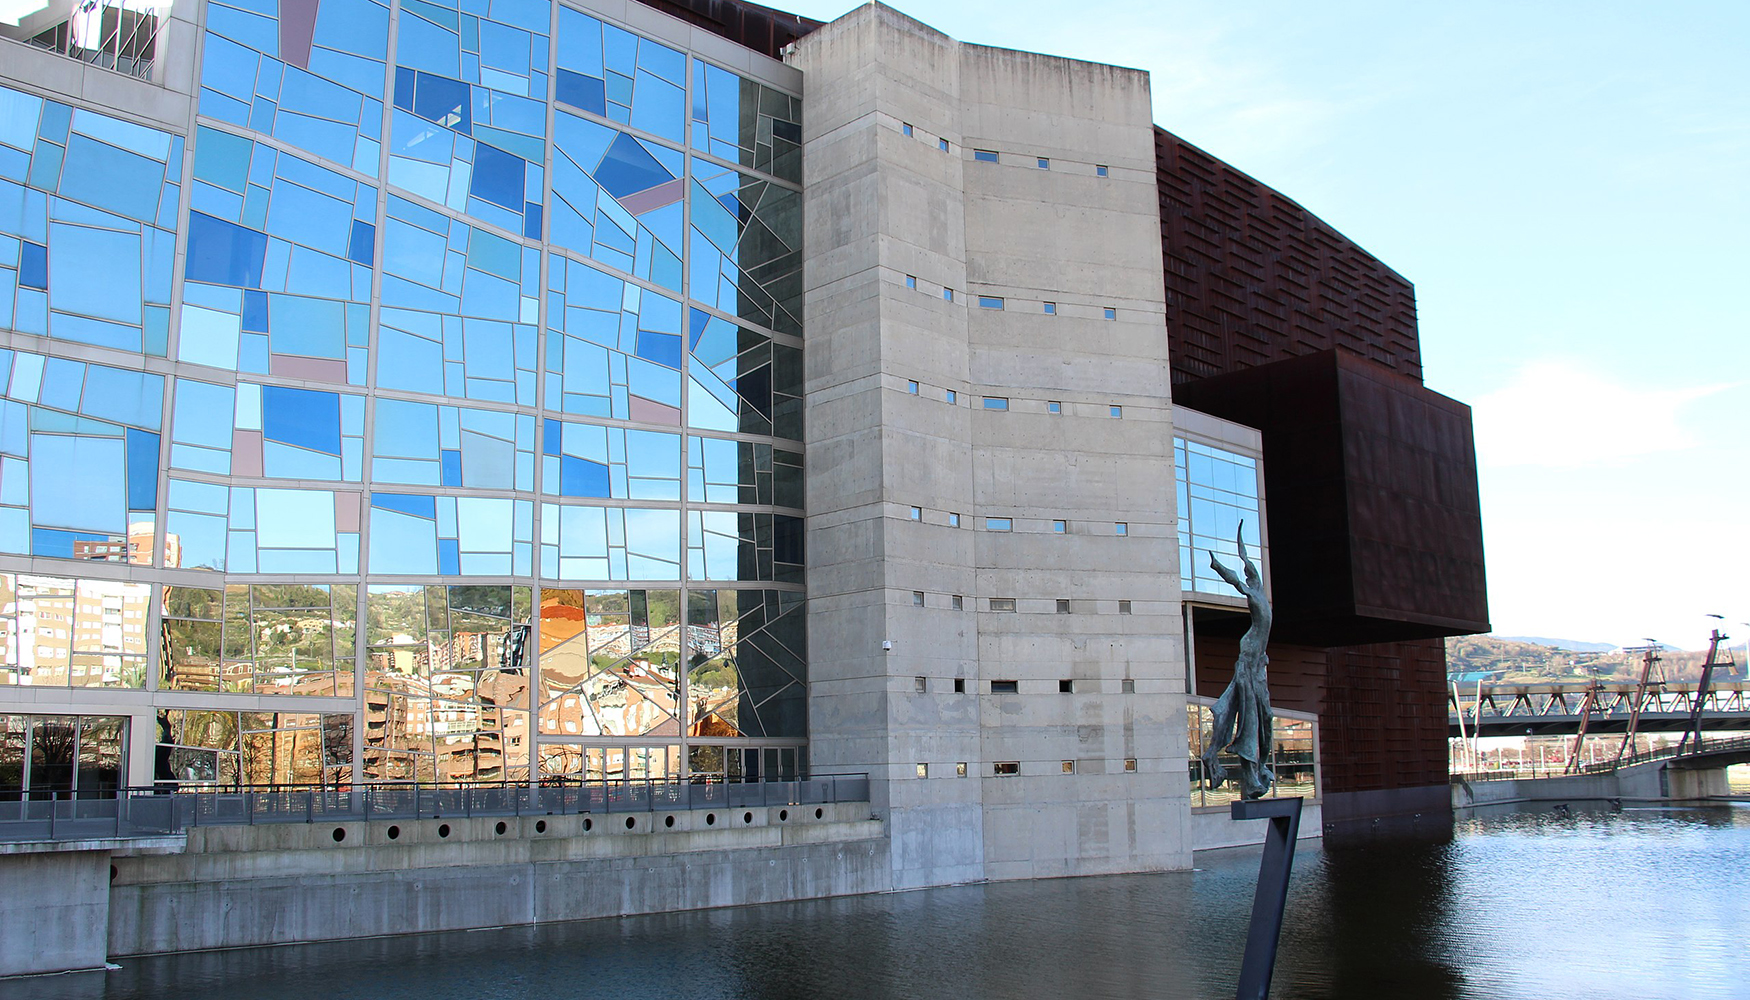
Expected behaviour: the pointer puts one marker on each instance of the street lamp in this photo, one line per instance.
(1532, 769)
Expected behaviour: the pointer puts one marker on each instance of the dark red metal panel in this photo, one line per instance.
(761, 29)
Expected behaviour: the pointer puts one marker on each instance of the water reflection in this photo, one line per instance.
(1593, 904)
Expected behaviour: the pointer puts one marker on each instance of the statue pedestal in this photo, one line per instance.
(1272, 895)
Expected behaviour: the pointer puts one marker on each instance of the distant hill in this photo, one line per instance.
(1572, 645)
(1497, 659)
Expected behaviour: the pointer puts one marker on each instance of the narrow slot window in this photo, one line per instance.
(1002, 604)
(1006, 767)
(990, 301)
(985, 155)
(999, 524)
(1005, 687)
(996, 402)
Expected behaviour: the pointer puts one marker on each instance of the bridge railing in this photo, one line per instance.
(1716, 745)
(166, 811)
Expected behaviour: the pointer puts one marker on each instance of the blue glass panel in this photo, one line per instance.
(404, 79)
(444, 101)
(452, 467)
(418, 506)
(532, 221)
(112, 179)
(580, 477)
(498, 177)
(301, 417)
(255, 311)
(33, 265)
(94, 500)
(361, 248)
(629, 168)
(142, 448)
(224, 253)
(584, 92)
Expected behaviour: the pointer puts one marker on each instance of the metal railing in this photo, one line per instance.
(1553, 770)
(121, 35)
(159, 812)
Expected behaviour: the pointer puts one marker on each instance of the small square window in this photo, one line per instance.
(985, 155)
(1130, 764)
(923, 770)
(1005, 687)
(959, 685)
(1100, 170)
(1127, 686)
(923, 685)
(1124, 607)
(1116, 411)
(1066, 686)
(960, 770)
(1069, 767)
(1002, 604)
(1060, 526)
(990, 302)
(959, 604)
(1121, 528)
(953, 520)
(917, 513)
(948, 294)
(996, 402)
(911, 387)
(1006, 767)
(950, 396)
(1063, 605)
(1051, 309)
(1044, 163)
(942, 144)
(905, 127)
(917, 598)
(1054, 406)
(911, 281)
(1111, 313)
(999, 524)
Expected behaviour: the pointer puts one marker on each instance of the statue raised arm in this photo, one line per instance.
(1243, 722)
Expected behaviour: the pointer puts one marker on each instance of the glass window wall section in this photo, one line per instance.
(45, 755)
(355, 400)
(1217, 489)
(1293, 757)
(279, 639)
(218, 749)
(58, 632)
(78, 188)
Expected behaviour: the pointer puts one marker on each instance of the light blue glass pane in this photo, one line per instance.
(18, 118)
(126, 397)
(201, 538)
(95, 272)
(94, 500)
(402, 544)
(282, 461)
(112, 179)
(484, 524)
(203, 497)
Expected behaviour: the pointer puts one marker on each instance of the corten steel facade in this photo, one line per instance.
(1278, 322)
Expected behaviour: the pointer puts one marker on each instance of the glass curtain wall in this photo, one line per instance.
(440, 391)
(1293, 757)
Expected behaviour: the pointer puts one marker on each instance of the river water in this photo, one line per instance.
(1591, 903)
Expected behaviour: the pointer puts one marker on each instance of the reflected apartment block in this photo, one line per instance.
(558, 390)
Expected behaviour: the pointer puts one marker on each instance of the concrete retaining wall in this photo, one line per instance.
(242, 886)
(1211, 829)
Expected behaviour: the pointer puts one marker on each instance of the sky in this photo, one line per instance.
(1565, 184)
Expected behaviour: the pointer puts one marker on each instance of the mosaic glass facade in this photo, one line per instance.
(437, 387)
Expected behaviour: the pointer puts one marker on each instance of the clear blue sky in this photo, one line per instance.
(1565, 184)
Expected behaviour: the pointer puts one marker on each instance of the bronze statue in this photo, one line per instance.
(1242, 714)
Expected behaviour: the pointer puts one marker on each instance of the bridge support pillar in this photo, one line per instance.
(1696, 783)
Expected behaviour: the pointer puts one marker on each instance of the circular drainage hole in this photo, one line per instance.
(630, 822)
(541, 826)
(588, 824)
(710, 819)
(394, 833)
(783, 815)
(747, 817)
(444, 830)
(668, 822)
(818, 813)
(339, 834)
(500, 828)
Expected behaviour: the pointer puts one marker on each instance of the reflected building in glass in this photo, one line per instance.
(400, 391)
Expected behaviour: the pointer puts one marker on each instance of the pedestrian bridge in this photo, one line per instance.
(1560, 709)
